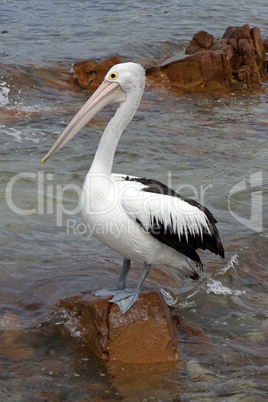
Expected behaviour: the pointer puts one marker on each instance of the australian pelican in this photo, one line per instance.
(142, 219)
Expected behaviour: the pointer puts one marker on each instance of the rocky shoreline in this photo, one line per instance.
(237, 61)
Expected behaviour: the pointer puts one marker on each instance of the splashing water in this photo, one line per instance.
(218, 288)
(4, 91)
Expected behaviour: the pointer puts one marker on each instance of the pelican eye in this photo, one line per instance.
(113, 76)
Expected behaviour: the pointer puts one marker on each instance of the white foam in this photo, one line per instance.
(72, 324)
(4, 91)
(232, 264)
(187, 304)
(218, 288)
(11, 132)
(20, 136)
(169, 298)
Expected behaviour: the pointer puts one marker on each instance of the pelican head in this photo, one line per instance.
(123, 82)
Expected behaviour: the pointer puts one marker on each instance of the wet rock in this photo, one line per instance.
(259, 49)
(147, 327)
(89, 75)
(138, 347)
(248, 46)
(144, 334)
(249, 55)
(201, 40)
(199, 71)
(85, 73)
(237, 61)
(265, 45)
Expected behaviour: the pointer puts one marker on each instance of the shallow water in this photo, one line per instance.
(210, 147)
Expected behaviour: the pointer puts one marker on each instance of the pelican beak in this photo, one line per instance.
(107, 93)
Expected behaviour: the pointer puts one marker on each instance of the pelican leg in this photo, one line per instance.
(127, 297)
(121, 284)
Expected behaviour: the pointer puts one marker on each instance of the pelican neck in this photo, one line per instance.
(103, 160)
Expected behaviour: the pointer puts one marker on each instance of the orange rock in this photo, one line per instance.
(84, 72)
(219, 44)
(184, 70)
(259, 49)
(248, 44)
(92, 316)
(237, 61)
(103, 67)
(201, 40)
(230, 54)
(90, 75)
(144, 334)
(199, 71)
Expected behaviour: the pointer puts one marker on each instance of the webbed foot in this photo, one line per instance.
(125, 299)
(121, 282)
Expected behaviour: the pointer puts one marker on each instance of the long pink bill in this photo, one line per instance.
(107, 93)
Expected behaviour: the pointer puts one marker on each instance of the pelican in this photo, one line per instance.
(139, 218)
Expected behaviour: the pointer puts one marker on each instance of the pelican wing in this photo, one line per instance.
(178, 222)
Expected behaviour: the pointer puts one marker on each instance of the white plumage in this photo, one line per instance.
(115, 204)
(139, 218)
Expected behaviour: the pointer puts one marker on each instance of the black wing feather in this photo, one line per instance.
(187, 242)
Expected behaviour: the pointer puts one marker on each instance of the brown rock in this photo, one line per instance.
(144, 334)
(219, 44)
(103, 67)
(183, 71)
(248, 44)
(237, 61)
(245, 51)
(265, 45)
(201, 41)
(230, 54)
(84, 72)
(90, 75)
(200, 71)
(259, 49)
(230, 35)
(91, 320)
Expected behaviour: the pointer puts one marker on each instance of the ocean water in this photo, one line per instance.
(210, 147)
